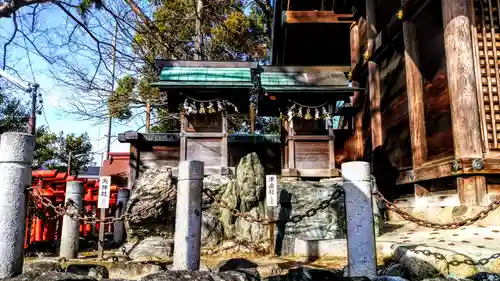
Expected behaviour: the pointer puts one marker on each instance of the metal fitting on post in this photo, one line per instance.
(477, 164)
(455, 166)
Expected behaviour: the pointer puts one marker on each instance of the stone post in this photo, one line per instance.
(70, 232)
(119, 228)
(16, 156)
(187, 237)
(361, 251)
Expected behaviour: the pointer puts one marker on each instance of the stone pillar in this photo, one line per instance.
(70, 232)
(16, 156)
(187, 237)
(119, 228)
(361, 251)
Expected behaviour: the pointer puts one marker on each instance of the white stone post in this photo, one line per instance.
(16, 156)
(119, 228)
(70, 232)
(187, 237)
(361, 251)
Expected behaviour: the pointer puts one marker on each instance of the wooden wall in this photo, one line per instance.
(207, 150)
(486, 37)
(432, 65)
(394, 108)
(157, 156)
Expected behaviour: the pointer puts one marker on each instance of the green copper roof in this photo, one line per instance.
(176, 76)
(320, 81)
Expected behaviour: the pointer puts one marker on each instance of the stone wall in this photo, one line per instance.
(297, 197)
(243, 192)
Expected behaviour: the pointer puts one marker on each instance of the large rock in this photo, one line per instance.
(251, 179)
(98, 272)
(152, 211)
(42, 265)
(150, 249)
(251, 231)
(312, 274)
(485, 276)
(421, 262)
(212, 233)
(297, 197)
(396, 269)
(233, 264)
(181, 275)
(41, 275)
(229, 194)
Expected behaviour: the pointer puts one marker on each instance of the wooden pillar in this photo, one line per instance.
(331, 141)
(224, 148)
(463, 96)
(415, 94)
(291, 145)
(135, 163)
(183, 140)
(373, 78)
(371, 30)
(357, 99)
(284, 129)
(252, 118)
(375, 110)
(148, 117)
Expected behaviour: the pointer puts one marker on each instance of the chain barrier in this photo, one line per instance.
(83, 215)
(89, 218)
(294, 219)
(439, 256)
(452, 225)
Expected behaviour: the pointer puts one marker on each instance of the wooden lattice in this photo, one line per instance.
(487, 33)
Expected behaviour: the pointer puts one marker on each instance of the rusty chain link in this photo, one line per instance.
(439, 256)
(89, 218)
(295, 219)
(82, 215)
(452, 225)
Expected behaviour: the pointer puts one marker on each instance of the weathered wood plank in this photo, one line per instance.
(331, 141)
(463, 94)
(312, 155)
(310, 173)
(310, 137)
(183, 140)
(291, 145)
(224, 160)
(443, 168)
(204, 135)
(371, 30)
(415, 93)
(292, 17)
(375, 110)
(206, 150)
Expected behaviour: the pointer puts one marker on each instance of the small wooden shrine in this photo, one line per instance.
(306, 101)
(204, 93)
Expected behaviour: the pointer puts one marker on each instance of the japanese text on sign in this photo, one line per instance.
(104, 192)
(271, 191)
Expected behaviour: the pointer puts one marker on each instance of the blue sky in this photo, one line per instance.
(54, 96)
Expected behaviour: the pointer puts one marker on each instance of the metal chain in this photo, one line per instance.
(88, 218)
(452, 225)
(84, 215)
(295, 219)
(440, 256)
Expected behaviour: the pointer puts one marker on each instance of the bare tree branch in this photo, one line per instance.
(9, 41)
(10, 7)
